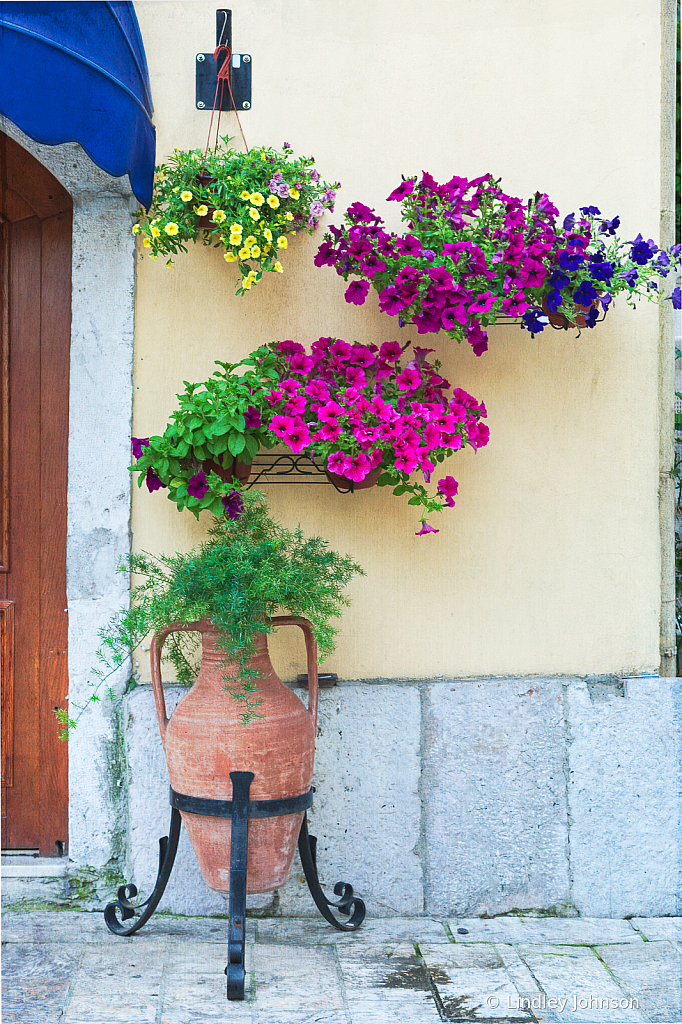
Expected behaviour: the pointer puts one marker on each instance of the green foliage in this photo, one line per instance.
(249, 569)
(216, 423)
(246, 203)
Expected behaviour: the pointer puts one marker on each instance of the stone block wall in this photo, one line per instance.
(464, 797)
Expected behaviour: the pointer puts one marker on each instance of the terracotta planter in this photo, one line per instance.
(238, 469)
(559, 320)
(205, 180)
(204, 741)
(343, 481)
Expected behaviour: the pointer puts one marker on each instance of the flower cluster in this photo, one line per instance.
(589, 266)
(362, 411)
(247, 203)
(472, 254)
(209, 441)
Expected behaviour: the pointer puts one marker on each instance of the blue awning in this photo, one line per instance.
(77, 72)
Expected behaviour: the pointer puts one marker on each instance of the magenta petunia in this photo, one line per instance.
(357, 468)
(390, 351)
(448, 487)
(357, 292)
(297, 437)
(425, 529)
(233, 504)
(409, 380)
(403, 190)
(336, 462)
(252, 418)
(390, 301)
(197, 486)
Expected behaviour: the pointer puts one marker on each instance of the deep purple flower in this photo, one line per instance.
(357, 292)
(569, 222)
(399, 193)
(138, 444)
(590, 211)
(410, 245)
(544, 205)
(608, 227)
(427, 322)
(592, 315)
(631, 277)
(152, 481)
(390, 351)
(570, 260)
(675, 298)
(558, 280)
(534, 320)
(601, 270)
(197, 485)
(286, 146)
(234, 504)
(429, 254)
(390, 301)
(585, 294)
(425, 529)
(252, 418)
(641, 251)
(360, 212)
(553, 300)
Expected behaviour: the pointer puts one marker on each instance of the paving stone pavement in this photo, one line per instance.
(67, 967)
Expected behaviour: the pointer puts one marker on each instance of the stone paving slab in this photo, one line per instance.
(314, 932)
(652, 973)
(571, 931)
(654, 928)
(68, 968)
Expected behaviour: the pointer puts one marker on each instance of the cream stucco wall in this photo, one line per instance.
(550, 562)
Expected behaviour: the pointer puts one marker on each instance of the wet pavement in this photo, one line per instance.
(67, 967)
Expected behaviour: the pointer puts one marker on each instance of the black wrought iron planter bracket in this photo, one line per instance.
(239, 809)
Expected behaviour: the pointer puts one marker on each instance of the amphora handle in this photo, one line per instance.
(155, 654)
(311, 651)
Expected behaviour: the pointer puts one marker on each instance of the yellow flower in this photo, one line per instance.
(171, 228)
(294, 193)
(171, 265)
(230, 257)
(255, 251)
(245, 253)
(245, 195)
(186, 196)
(236, 229)
(254, 214)
(251, 240)
(267, 233)
(266, 250)
(156, 232)
(235, 239)
(273, 201)
(246, 282)
(288, 215)
(257, 199)
(253, 276)
(262, 156)
(136, 229)
(147, 243)
(282, 242)
(201, 211)
(278, 267)
(219, 216)
(153, 257)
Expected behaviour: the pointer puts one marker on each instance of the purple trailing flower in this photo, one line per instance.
(631, 277)
(534, 320)
(316, 208)
(590, 211)
(357, 292)
(448, 487)
(252, 418)
(138, 444)
(608, 227)
(592, 316)
(152, 481)
(675, 298)
(399, 193)
(585, 294)
(197, 486)
(283, 190)
(233, 504)
(425, 529)
(642, 251)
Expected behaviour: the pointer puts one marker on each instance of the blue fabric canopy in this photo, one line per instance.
(77, 72)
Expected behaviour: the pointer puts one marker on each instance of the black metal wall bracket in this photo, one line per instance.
(240, 809)
(207, 72)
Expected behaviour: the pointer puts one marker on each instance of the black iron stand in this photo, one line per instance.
(240, 809)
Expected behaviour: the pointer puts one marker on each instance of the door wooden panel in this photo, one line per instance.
(36, 248)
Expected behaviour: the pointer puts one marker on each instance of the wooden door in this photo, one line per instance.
(35, 225)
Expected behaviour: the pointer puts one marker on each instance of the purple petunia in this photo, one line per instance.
(252, 418)
(448, 487)
(152, 481)
(399, 193)
(676, 298)
(138, 444)
(233, 504)
(197, 486)
(357, 292)
(425, 529)
(642, 251)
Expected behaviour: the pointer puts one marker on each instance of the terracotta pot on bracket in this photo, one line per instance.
(240, 470)
(559, 320)
(343, 483)
(204, 741)
(205, 180)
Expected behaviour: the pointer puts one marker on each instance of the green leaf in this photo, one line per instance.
(236, 443)
(400, 489)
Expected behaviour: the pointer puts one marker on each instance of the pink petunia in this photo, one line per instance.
(425, 529)
(390, 351)
(336, 462)
(357, 292)
(409, 380)
(297, 437)
(448, 487)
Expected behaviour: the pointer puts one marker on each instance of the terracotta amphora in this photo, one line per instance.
(204, 741)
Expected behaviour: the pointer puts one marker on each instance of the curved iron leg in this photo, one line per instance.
(239, 847)
(168, 847)
(348, 904)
